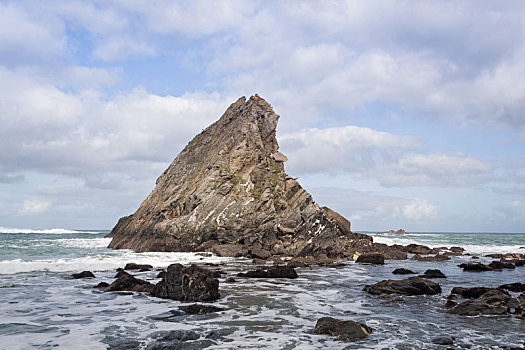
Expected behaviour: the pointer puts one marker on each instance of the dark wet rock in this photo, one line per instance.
(437, 257)
(394, 252)
(499, 265)
(133, 266)
(409, 286)
(475, 267)
(192, 283)
(83, 274)
(199, 309)
(177, 340)
(124, 344)
(230, 280)
(443, 341)
(519, 263)
(344, 330)
(493, 302)
(418, 249)
(457, 249)
(475, 257)
(470, 292)
(102, 285)
(257, 261)
(271, 272)
(161, 274)
(220, 334)
(452, 253)
(402, 271)
(433, 274)
(127, 282)
(514, 287)
(371, 258)
(121, 272)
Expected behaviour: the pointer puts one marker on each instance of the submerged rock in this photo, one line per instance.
(192, 283)
(83, 274)
(403, 271)
(199, 309)
(409, 286)
(437, 257)
(344, 330)
(271, 272)
(227, 193)
(443, 341)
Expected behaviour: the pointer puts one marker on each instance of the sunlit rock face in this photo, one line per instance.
(227, 192)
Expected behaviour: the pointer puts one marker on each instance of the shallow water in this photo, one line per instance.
(42, 307)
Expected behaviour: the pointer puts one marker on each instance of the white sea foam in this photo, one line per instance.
(54, 231)
(433, 243)
(103, 262)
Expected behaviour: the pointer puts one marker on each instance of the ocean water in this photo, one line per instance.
(41, 307)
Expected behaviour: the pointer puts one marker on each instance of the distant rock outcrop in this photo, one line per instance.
(227, 192)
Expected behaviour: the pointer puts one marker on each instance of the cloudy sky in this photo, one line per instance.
(398, 114)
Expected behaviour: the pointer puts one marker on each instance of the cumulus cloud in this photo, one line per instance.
(367, 153)
(82, 134)
(514, 210)
(34, 206)
(379, 211)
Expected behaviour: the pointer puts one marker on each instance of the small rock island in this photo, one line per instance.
(227, 193)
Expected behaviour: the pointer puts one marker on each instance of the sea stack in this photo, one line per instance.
(227, 193)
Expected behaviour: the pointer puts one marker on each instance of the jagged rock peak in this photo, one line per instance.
(227, 192)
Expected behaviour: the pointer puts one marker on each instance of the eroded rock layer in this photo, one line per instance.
(227, 192)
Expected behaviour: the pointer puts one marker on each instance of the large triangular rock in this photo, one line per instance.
(227, 192)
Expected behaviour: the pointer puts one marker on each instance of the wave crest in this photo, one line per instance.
(52, 231)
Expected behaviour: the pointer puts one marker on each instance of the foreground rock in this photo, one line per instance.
(437, 257)
(344, 330)
(514, 287)
(192, 283)
(433, 274)
(371, 258)
(271, 272)
(127, 282)
(83, 274)
(485, 301)
(227, 193)
(199, 309)
(402, 271)
(409, 286)
(142, 267)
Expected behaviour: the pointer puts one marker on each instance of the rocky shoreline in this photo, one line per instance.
(201, 284)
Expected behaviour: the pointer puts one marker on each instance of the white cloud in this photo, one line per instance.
(24, 38)
(349, 149)
(83, 134)
(514, 210)
(34, 206)
(437, 169)
(367, 153)
(420, 209)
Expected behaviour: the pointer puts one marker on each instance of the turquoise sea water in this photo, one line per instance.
(42, 307)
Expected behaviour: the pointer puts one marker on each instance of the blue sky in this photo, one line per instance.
(397, 114)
